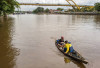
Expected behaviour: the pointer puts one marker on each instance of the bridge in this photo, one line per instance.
(39, 4)
(70, 3)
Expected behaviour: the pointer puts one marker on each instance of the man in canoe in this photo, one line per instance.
(60, 42)
(68, 47)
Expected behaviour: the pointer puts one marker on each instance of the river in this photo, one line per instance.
(28, 41)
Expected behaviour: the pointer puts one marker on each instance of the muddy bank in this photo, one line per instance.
(79, 13)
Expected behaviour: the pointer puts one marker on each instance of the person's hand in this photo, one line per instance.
(59, 45)
(65, 53)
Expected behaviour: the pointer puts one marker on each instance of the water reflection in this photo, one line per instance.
(97, 21)
(67, 60)
(79, 64)
(8, 52)
(32, 34)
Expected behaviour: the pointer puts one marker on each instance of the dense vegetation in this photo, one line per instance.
(97, 6)
(60, 9)
(38, 10)
(87, 9)
(8, 6)
(47, 10)
(42, 10)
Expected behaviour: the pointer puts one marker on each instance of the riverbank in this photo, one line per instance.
(69, 13)
(79, 13)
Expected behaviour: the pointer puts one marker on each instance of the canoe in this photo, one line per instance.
(76, 56)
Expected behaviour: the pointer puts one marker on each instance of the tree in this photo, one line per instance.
(60, 9)
(47, 10)
(8, 6)
(92, 9)
(87, 9)
(97, 6)
(39, 10)
(70, 10)
(76, 10)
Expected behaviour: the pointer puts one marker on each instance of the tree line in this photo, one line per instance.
(42, 10)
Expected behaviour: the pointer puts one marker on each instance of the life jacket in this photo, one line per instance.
(66, 48)
(71, 48)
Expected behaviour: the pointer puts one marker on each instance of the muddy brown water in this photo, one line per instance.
(27, 41)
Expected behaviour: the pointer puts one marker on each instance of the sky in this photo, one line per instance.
(78, 2)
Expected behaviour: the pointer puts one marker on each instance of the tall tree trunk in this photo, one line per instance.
(4, 13)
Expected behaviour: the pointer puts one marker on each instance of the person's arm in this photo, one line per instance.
(62, 43)
(59, 45)
(67, 49)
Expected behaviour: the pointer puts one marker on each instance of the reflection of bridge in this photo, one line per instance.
(37, 4)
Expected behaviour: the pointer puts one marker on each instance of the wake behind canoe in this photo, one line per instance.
(76, 56)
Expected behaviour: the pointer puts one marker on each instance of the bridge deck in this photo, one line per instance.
(54, 5)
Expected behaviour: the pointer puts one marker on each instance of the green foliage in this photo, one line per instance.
(70, 10)
(97, 6)
(87, 9)
(76, 10)
(60, 9)
(92, 9)
(83, 9)
(39, 10)
(8, 6)
(47, 10)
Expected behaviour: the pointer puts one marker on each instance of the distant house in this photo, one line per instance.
(54, 11)
(51, 11)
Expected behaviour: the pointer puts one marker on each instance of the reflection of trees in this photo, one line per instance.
(79, 64)
(8, 52)
(97, 21)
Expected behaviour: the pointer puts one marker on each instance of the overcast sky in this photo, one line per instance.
(79, 2)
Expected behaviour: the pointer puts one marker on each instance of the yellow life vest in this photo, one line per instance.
(67, 46)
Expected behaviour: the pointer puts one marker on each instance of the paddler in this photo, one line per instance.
(68, 47)
(60, 42)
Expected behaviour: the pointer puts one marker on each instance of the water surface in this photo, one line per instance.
(27, 41)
